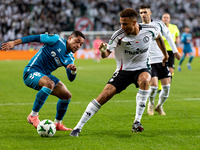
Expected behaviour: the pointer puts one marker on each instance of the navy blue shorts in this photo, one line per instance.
(32, 77)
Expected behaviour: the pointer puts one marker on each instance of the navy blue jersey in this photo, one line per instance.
(186, 39)
(52, 55)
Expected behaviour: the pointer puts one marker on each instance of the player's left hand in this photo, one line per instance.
(177, 55)
(164, 60)
(71, 67)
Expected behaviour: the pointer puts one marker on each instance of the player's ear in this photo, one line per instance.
(149, 11)
(69, 39)
(134, 22)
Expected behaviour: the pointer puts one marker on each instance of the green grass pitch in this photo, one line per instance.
(110, 128)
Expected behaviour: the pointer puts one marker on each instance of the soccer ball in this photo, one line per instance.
(46, 128)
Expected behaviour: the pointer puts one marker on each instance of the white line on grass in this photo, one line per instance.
(121, 101)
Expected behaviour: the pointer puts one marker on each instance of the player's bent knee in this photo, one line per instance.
(49, 84)
(65, 96)
(144, 83)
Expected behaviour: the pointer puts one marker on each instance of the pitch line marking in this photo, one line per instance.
(121, 101)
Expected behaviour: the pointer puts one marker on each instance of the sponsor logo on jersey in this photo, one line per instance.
(146, 39)
(53, 54)
(58, 61)
(138, 51)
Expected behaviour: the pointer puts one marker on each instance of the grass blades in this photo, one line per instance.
(110, 128)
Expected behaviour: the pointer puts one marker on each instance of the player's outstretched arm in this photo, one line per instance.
(9, 45)
(167, 35)
(161, 45)
(104, 52)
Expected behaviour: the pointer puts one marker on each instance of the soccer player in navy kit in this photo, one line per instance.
(186, 39)
(55, 53)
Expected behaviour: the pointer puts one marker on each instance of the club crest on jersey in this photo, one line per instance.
(146, 39)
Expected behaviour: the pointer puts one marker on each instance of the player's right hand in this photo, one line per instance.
(102, 47)
(165, 59)
(8, 45)
(177, 55)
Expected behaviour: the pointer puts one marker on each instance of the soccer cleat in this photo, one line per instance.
(189, 67)
(160, 110)
(61, 127)
(34, 120)
(137, 127)
(150, 108)
(179, 68)
(75, 132)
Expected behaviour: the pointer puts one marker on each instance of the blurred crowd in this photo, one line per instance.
(24, 17)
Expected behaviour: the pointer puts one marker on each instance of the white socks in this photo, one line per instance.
(152, 94)
(34, 113)
(91, 109)
(164, 94)
(57, 121)
(141, 99)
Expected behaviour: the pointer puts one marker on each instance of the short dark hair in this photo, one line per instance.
(145, 6)
(129, 12)
(77, 33)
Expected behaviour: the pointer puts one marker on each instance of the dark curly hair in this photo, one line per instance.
(129, 12)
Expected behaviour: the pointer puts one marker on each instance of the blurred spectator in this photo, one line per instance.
(22, 17)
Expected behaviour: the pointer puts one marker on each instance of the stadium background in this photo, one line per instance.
(110, 128)
(24, 17)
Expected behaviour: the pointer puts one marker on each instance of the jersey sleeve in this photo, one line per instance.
(177, 32)
(169, 39)
(183, 38)
(70, 76)
(113, 42)
(49, 39)
(155, 33)
(30, 38)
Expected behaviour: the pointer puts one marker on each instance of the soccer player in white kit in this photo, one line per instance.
(158, 72)
(131, 47)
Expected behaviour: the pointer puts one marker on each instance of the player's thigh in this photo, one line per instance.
(47, 82)
(165, 81)
(61, 91)
(154, 81)
(191, 54)
(108, 92)
(143, 80)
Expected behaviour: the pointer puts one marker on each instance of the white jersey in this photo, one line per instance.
(155, 54)
(131, 51)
